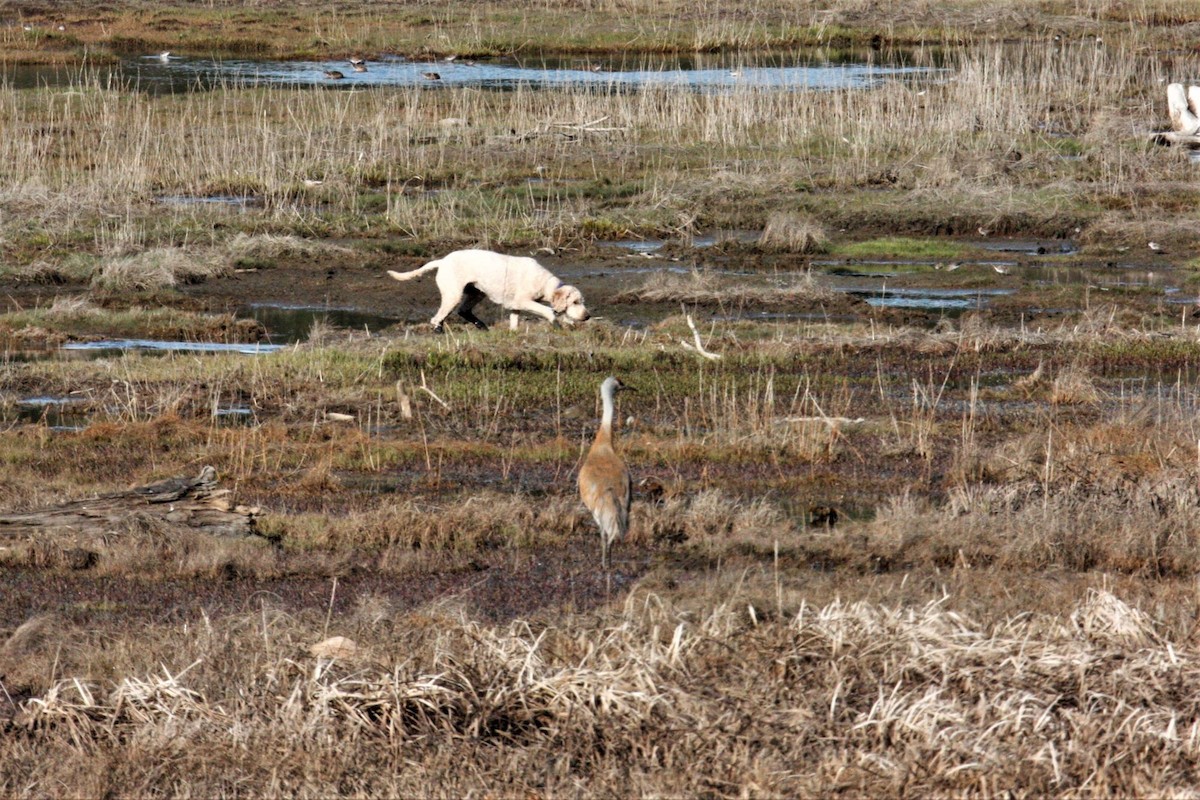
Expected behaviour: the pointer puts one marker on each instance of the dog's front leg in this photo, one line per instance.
(534, 307)
(513, 320)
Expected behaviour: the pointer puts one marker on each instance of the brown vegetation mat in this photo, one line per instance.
(736, 698)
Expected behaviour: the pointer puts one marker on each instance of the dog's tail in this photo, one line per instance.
(408, 276)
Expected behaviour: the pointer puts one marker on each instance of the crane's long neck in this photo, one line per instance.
(606, 421)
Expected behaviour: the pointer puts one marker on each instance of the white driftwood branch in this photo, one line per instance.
(699, 347)
(425, 388)
(1184, 107)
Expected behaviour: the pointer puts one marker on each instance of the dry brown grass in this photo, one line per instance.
(792, 232)
(733, 697)
(704, 288)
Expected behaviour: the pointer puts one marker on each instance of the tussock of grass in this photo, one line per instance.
(158, 268)
(793, 232)
(80, 317)
(710, 289)
(266, 245)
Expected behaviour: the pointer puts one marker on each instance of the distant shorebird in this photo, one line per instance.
(1156, 247)
(1000, 268)
(604, 482)
(432, 76)
(164, 56)
(360, 67)
(450, 57)
(334, 75)
(595, 68)
(358, 62)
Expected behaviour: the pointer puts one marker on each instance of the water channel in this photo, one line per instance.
(793, 70)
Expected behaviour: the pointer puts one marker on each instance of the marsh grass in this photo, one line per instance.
(488, 28)
(676, 162)
(705, 288)
(643, 698)
(723, 628)
(79, 317)
(793, 233)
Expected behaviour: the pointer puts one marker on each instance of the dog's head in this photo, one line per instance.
(567, 300)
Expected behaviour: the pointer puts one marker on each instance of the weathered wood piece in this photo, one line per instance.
(1183, 105)
(184, 502)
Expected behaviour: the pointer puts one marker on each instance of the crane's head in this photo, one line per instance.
(612, 385)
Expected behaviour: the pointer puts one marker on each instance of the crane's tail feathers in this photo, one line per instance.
(407, 276)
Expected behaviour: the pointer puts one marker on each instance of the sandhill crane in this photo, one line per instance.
(604, 482)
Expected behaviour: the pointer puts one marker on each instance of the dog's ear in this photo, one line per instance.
(560, 299)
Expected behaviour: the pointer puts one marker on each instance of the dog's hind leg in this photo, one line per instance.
(466, 309)
(450, 299)
(514, 320)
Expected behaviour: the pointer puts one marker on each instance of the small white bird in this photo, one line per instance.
(1156, 247)
(983, 231)
(450, 57)
(952, 266)
(164, 56)
(1000, 268)
(357, 62)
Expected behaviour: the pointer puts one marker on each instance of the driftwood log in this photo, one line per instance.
(187, 502)
(1183, 106)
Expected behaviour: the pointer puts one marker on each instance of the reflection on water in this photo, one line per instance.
(105, 347)
(709, 72)
(290, 324)
(1032, 247)
(931, 299)
(56, 413)
(239, 202)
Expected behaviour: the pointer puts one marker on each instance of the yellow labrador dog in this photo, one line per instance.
(513, 282)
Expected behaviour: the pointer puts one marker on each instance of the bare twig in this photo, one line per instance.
(699, 347)
(425, 388)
